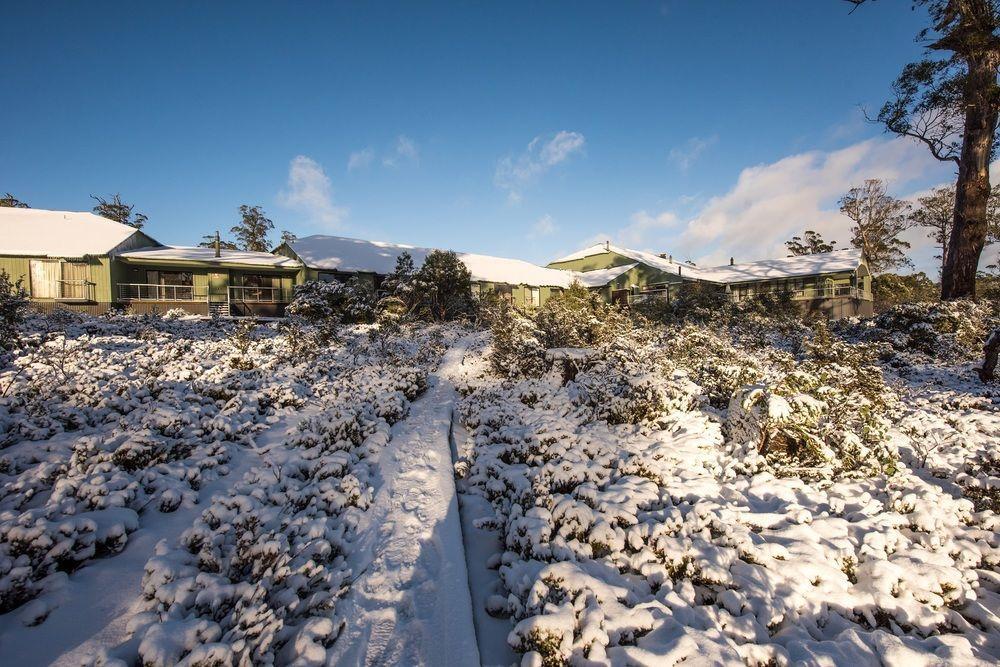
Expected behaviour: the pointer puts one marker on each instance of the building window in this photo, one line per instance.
(334, 277)
(256, 280)
(182, 278)
(504, 293)
(45, 276)
(535, 296)
(53, 279)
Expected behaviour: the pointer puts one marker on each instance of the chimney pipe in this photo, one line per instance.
(670, 259)
(607, 245)
(218, 245)
(678, 269)
(731, 262)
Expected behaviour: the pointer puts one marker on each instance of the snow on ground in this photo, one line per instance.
(185, 491)
(410, 602)
(189, 490)
(642, 528)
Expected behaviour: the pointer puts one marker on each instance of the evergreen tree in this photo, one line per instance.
(936, 212)
(399, 283)
(253, 228)
(117, 210)
(13, 309)
(810, 243)
(949, 100)
(442, 288)
(10, 201)
(879, 219)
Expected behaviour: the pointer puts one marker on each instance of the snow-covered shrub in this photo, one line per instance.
(442, 289)
(359, 301)
(948, 330)
(516, 350)
(631, 392)
(318, 302)
(242, 339)
(578, 317)
(712, 361)
(829, 411)
(13, 309)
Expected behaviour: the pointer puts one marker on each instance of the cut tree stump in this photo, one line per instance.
(988, 372)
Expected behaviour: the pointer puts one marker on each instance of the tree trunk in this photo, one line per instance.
(972, 192)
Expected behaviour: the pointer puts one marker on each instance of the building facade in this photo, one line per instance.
(87, 263)
(82, 262)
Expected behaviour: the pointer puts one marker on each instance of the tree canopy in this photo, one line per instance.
(253, 228)
(879, 219)
(119, 211)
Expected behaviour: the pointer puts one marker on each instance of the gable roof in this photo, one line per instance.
(207, 256)
(338, 253)
(649, 259)
(768, 269)
(40, 233)
(836, 261)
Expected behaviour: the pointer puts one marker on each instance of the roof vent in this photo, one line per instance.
(731, 262)
(607, 246)
(218, 245)
(678, 269)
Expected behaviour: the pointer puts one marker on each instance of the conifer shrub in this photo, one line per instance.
(517, 349)
(13, 310)
(442, 289)
(580, 318)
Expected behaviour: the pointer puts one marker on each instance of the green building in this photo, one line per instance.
(836, 284)
(84, 262)
(81, 261)
(524, 284)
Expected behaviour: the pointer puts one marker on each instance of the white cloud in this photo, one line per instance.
(687, 154)
(310, 192)
(513, 174)
(361, 159)
(405, 150)
(770, 203)
(544, 226)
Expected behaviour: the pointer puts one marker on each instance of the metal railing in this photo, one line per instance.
(75, 290)
(805, 293)
(650, 295)
(152, 292)
(257, 294)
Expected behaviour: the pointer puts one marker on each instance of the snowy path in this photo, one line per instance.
(410, 604)
(97, 601)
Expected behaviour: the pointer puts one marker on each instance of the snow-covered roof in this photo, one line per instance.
(207, 256)
(647, 258)
(786, 267)
(338, 253)
(601, 277)
(768, 269)
(41, 233)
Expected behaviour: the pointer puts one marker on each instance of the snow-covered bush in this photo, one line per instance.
(630, 391)
(516, 349)
(578, 317)
(243, 339)
(712, 361)
(318, 302)
(13, 309)
(829, 412)
(947, 330)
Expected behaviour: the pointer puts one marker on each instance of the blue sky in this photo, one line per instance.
(705, 129)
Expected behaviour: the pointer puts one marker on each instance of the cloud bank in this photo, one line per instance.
(310, 192)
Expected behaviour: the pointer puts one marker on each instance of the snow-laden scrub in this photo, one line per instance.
(732, 495)
(111, 424)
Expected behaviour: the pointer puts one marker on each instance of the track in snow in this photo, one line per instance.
(410, 603)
